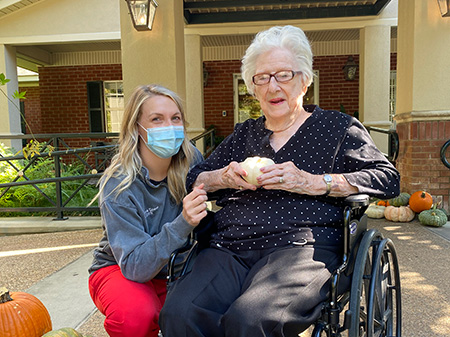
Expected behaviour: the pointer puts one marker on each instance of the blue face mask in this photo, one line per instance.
(164, 141)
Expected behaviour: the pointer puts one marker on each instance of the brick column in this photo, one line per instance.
(423, 102)
(419, 163)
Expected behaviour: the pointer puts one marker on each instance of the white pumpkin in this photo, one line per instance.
(399, 214)
(375, 211)
(252, 166)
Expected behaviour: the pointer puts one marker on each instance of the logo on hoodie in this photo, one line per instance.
(151, 211)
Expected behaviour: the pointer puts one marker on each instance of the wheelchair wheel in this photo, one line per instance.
(375, 298)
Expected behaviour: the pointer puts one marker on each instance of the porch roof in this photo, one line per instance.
(223, 11)
(226, 11)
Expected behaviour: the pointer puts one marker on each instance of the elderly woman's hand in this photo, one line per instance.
(194, 206)
(228, 177)
(288, 177)
(231, 177)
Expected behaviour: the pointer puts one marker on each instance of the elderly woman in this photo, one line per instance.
(267, 268)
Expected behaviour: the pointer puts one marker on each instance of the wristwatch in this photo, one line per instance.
(328, 179)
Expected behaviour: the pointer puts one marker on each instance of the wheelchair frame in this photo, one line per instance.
(373, 302)
(372, 305)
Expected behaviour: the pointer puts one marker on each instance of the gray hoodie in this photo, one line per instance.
(141, 228)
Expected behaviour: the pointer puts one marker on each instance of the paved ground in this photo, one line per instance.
(53, 266)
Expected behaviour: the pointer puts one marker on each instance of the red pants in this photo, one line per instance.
(131, 308)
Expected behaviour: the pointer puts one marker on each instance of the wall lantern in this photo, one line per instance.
(205, 76)
(142, 13)
(350, 69)
(444, 7)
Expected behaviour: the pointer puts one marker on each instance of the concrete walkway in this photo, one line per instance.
(33, 225)
(64, 293)
(424, 257)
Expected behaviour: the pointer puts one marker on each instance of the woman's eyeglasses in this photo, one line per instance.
(282, 76)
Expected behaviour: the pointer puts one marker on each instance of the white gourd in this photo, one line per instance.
(252, 166)
(399, 214)
(375, 211)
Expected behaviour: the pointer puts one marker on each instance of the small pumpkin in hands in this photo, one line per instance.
(433, 217)
(22, 314)
(420, 201)
(399, 214)
(375, 211)
(252, 166)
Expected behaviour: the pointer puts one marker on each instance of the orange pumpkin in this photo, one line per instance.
(383, 203)
(420, 201)
(22, 314)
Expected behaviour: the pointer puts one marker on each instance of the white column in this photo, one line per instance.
(423, 62)
(155, 56)
(9, 108)
(194, 84)
(374, 62)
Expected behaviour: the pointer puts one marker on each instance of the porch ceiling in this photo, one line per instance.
(313, 36)
(9, 6)
(225, 11)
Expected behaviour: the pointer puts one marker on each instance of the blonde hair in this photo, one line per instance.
(127, 162)
(287, 37)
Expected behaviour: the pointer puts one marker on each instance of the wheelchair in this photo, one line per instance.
(370, 307)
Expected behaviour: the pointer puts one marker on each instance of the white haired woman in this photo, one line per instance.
(267, 267)
(145, 212)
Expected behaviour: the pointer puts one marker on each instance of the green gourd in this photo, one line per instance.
(375, 211)
(433, 217)
(401, 200)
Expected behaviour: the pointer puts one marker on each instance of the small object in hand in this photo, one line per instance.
(252, 166)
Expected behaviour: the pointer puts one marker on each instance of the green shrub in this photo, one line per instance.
(42, 168)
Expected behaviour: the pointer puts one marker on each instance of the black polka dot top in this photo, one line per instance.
(327, 142)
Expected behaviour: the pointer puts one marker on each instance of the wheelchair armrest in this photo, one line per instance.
(357, 200)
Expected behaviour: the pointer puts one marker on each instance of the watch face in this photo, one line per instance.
(327, 178)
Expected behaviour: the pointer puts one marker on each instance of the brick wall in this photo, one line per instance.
(63, 93)
(32, 105)
(334, 90)
(218, 95)
(419, 159)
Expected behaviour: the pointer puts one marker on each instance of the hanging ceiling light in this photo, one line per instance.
(444, 7)
(142, 13)
(350, 69)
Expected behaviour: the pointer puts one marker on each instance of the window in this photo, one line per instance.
(114, 105)
(392, 94)
(95, 107)
(105, 105)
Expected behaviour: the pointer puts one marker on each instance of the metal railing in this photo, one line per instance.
(97, 155)
(94, 161)
(208, 147)
(393, 142)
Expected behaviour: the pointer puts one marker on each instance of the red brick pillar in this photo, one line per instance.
(419, 160)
